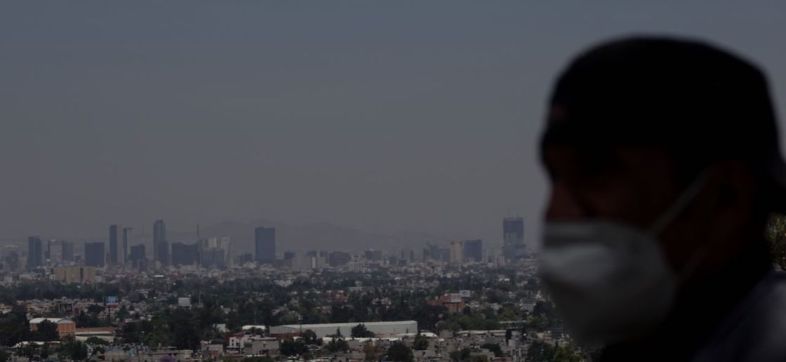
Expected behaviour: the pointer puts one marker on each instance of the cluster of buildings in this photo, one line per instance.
(122, 251)
(371, 276)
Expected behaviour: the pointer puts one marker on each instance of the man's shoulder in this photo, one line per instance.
(756, 328)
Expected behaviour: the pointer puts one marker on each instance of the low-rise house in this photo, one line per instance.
(263, 347)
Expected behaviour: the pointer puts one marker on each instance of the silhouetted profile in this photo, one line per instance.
(664, 165)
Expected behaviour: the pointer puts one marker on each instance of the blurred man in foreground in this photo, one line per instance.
(664, 165)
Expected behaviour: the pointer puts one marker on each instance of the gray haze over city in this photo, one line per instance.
(394, 118)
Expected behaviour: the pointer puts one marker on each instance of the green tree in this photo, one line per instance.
(420, 343)
(73, 350)
(44, 353)
(183, 330)
(493, 347)
(360, 331)
(45, 332)
(337, 345)
(399, 352)
(14, 327)
(290, 347)
(462, 355)
(122, 313)
(95, 341)
(309, 337)
(543, 352)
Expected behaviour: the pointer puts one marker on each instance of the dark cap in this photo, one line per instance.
(691, 97)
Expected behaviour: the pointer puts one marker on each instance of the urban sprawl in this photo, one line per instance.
(115, 300)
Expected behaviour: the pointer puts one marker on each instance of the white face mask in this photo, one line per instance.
(609, 281)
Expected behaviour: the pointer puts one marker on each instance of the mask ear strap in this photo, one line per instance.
(680, 204)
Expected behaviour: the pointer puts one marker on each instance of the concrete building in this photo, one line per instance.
(95, 254)
(185, 254)
(380, 329)
(75, 274)
(263, 347)
(67, 251)
(456, 252)
(137, 257)
(215, 252)
(114, 241)
(339, 258)
(265, 244)
(59, 252)
(65, 327)
(160, 243)
(35, 253)
(473, 250)
(127, 237)
(513, 238)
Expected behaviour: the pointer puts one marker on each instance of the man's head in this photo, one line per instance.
(633, 122)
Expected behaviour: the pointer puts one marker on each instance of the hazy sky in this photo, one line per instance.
(386, 116)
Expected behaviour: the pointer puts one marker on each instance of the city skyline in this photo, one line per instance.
(290, 114)
(264, 246)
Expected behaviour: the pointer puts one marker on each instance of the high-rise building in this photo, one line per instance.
(436, 253)
(473, 250)
(58, 252)
(214, 252)
(161, 252)
(372, 255)
(265, 244)
(339, 258)
(95, 254)
(48, 250)
(67, 251)
(159, 231)
(160, 243)
(114, 239)
(137, 256)
(11, 261)
(137, 253)
(513, 238)
(35, 253)
(127, 237)
(456, 252)
(75, 274)
(185, 254)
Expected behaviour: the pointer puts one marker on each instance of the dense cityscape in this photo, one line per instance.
(114, 300)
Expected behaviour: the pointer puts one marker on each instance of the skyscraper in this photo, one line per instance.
(159, 231)
(265, 244)
(114, 239)
(513, 238)
(473, 250)
(160, 243)
(137, 256)
(54, 252)
(126, 240)
(214, 252)
(456, 252)
(185, 254)
(68, 251)
(137, 253)
(35, 253)
(95, 254)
